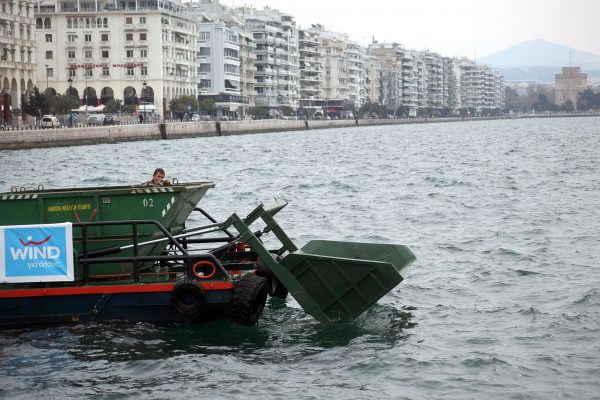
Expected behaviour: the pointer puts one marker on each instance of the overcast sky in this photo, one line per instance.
(451, 27)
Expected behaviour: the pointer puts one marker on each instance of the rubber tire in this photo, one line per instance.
(188, 298)
(276, 288)
(248, 299)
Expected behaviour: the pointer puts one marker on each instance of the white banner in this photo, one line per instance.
(36, 253)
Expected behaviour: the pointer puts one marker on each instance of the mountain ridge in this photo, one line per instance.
(541, 53)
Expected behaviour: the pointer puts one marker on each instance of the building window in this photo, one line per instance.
(129, 36)
(129, 20)
(48, 38)
(129, 71)
(69, 23)
(144, 53)
(144, 71)
(47, 23)
(105, 23)
(87, 37)
(71, 37)
(104, 53)
(204, 51)
(39, 23)
(87, 54)
(49, 72)
(143, 20)
(142, 36)
(88, 72)
(71, 54)
(105, 71)
(129, 53)
(104, 37)
(72, 73)
(49, 55)
(204, 35)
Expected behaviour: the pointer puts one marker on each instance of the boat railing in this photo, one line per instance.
(179, 242)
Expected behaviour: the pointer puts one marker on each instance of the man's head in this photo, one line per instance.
(159, 175)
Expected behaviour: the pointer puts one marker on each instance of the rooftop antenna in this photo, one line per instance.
(570, 58)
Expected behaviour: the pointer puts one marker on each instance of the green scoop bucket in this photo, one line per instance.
(332, 281)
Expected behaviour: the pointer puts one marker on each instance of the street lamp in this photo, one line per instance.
(70, 80)
(46, 78)
(85, 91)
(199, 87)
(144, 85)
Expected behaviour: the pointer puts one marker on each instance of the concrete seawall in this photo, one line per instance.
(24, 139)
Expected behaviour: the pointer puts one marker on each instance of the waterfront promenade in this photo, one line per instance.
(35, 138)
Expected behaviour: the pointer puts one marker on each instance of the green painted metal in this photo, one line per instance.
(169, 205)
(338, 281)
(332, 281)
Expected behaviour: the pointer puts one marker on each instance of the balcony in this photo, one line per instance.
(105, 43)
(70, 45)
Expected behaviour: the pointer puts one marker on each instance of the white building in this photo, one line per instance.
(225, 61)
(434, 80)
(139, 51)
(311, 71)
(391, 75)
(277, 65)
(17, 55)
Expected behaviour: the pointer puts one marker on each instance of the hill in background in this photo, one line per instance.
(539, 60)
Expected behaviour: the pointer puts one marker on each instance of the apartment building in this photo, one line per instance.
(311, 71)
(277, 58)
(225, 58)
(391, 75)
(219, 67)
(451, 84)
(372, 70)
(434, 79)
(247, 60)
(17, 55)
(132, 51)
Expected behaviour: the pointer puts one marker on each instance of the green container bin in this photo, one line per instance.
(337, 281)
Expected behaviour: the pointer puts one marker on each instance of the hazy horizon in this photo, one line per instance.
(468, 28)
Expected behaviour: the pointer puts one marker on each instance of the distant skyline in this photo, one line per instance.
(469, 28)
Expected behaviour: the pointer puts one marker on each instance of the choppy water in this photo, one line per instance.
(502, 303)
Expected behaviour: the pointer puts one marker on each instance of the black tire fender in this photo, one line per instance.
(187, 297)
(248, 299)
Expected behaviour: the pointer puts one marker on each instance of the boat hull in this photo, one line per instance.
(136, 303)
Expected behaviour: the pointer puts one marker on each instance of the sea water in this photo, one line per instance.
(503, 301)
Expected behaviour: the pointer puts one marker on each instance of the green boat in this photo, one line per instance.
(135, 259)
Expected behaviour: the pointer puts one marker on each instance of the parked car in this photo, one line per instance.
(112, 120)
(195, 117)
(50, 121)
(96, 119)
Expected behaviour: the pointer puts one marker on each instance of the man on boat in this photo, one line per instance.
(158, 179)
